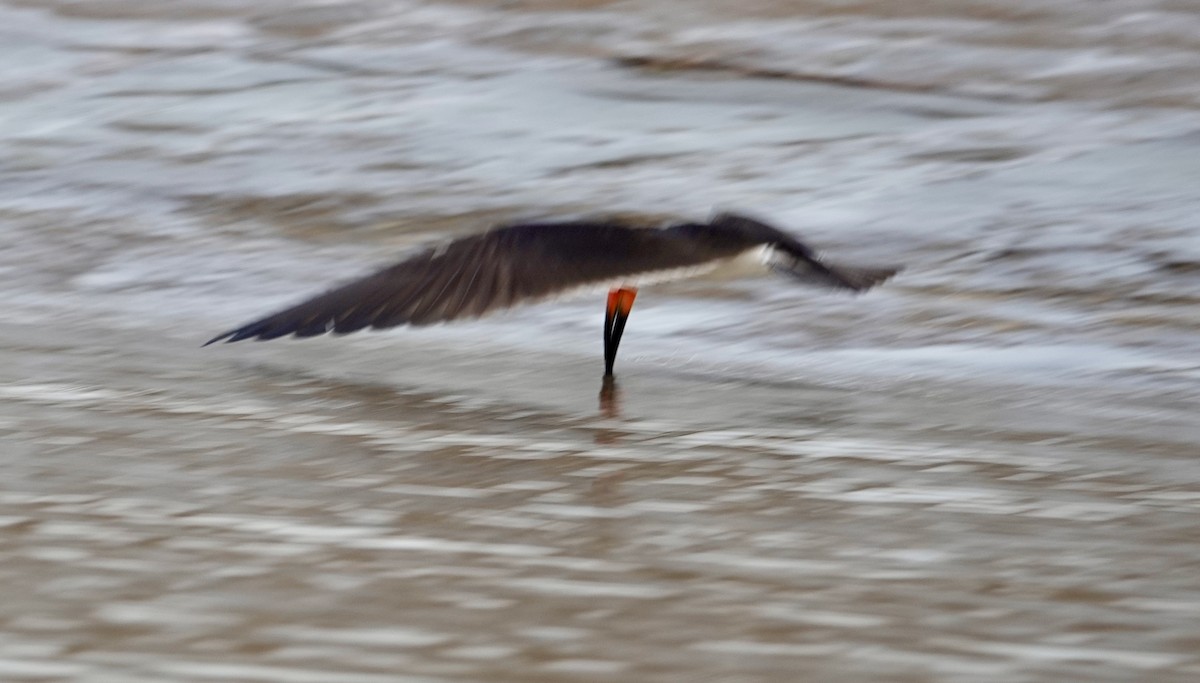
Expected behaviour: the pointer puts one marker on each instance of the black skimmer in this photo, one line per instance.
(526, 262)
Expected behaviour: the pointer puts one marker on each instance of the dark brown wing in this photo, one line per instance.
(482, 273)
(795, 259)
(833, 275)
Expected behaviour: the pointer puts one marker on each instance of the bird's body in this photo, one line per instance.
(526, 262)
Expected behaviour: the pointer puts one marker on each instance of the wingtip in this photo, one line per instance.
(853, 279)
(862, 279)
(231, 336)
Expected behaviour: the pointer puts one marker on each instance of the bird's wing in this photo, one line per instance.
(475, 275)
(814, 271)
(795, 259)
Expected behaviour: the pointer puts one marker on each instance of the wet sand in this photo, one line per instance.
(984, 471)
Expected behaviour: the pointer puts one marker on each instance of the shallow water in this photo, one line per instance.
(985, 470)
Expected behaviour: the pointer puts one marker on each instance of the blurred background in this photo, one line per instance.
(984, 471)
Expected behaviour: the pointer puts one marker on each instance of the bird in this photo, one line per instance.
(525, 262)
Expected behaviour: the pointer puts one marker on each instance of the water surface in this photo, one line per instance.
(984, 471)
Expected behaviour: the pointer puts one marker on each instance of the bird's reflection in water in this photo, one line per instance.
(605, 489)
(610, 398)
(610, 409)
